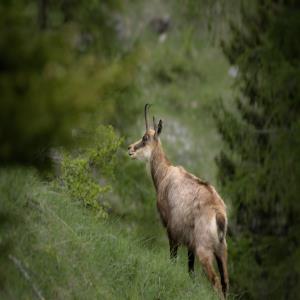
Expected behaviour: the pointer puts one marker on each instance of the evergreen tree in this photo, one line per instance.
(259, 167)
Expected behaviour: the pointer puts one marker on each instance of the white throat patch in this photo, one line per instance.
(144, 154)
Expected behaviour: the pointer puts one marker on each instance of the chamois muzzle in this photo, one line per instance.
(132, 151)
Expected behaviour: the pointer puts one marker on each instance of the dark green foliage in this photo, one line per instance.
(58, 78)
(259, 168)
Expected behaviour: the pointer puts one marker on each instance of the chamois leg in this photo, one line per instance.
(191, 260)
(221, 258)
(206, 259)
(173, 248)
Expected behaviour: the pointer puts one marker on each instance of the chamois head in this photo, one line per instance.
(143, 148)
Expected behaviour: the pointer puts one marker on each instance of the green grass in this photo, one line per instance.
(70, 254)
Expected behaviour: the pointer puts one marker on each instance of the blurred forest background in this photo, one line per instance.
(78, 218)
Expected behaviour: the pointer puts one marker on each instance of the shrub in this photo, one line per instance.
(85, 171)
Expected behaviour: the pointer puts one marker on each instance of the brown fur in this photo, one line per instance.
(190, 209)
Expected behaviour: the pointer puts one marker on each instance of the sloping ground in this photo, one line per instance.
(60, 250)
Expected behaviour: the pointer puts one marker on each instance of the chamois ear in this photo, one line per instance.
(159, 127)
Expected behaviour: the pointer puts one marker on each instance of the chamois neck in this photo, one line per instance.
(159, 165)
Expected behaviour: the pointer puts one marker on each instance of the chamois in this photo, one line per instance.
(190, 209)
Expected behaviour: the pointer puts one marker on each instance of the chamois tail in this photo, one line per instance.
(221, 226)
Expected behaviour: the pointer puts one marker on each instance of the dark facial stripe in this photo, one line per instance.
(139, 145)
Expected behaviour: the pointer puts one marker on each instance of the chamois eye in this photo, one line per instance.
(145, 138)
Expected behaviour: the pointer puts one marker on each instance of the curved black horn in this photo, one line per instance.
(154, 124)
(146, 117)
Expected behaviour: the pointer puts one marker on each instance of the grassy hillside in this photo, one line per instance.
(67, 251)
(70, 254)
(68, 69)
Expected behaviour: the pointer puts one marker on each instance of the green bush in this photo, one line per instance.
(84, 172)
